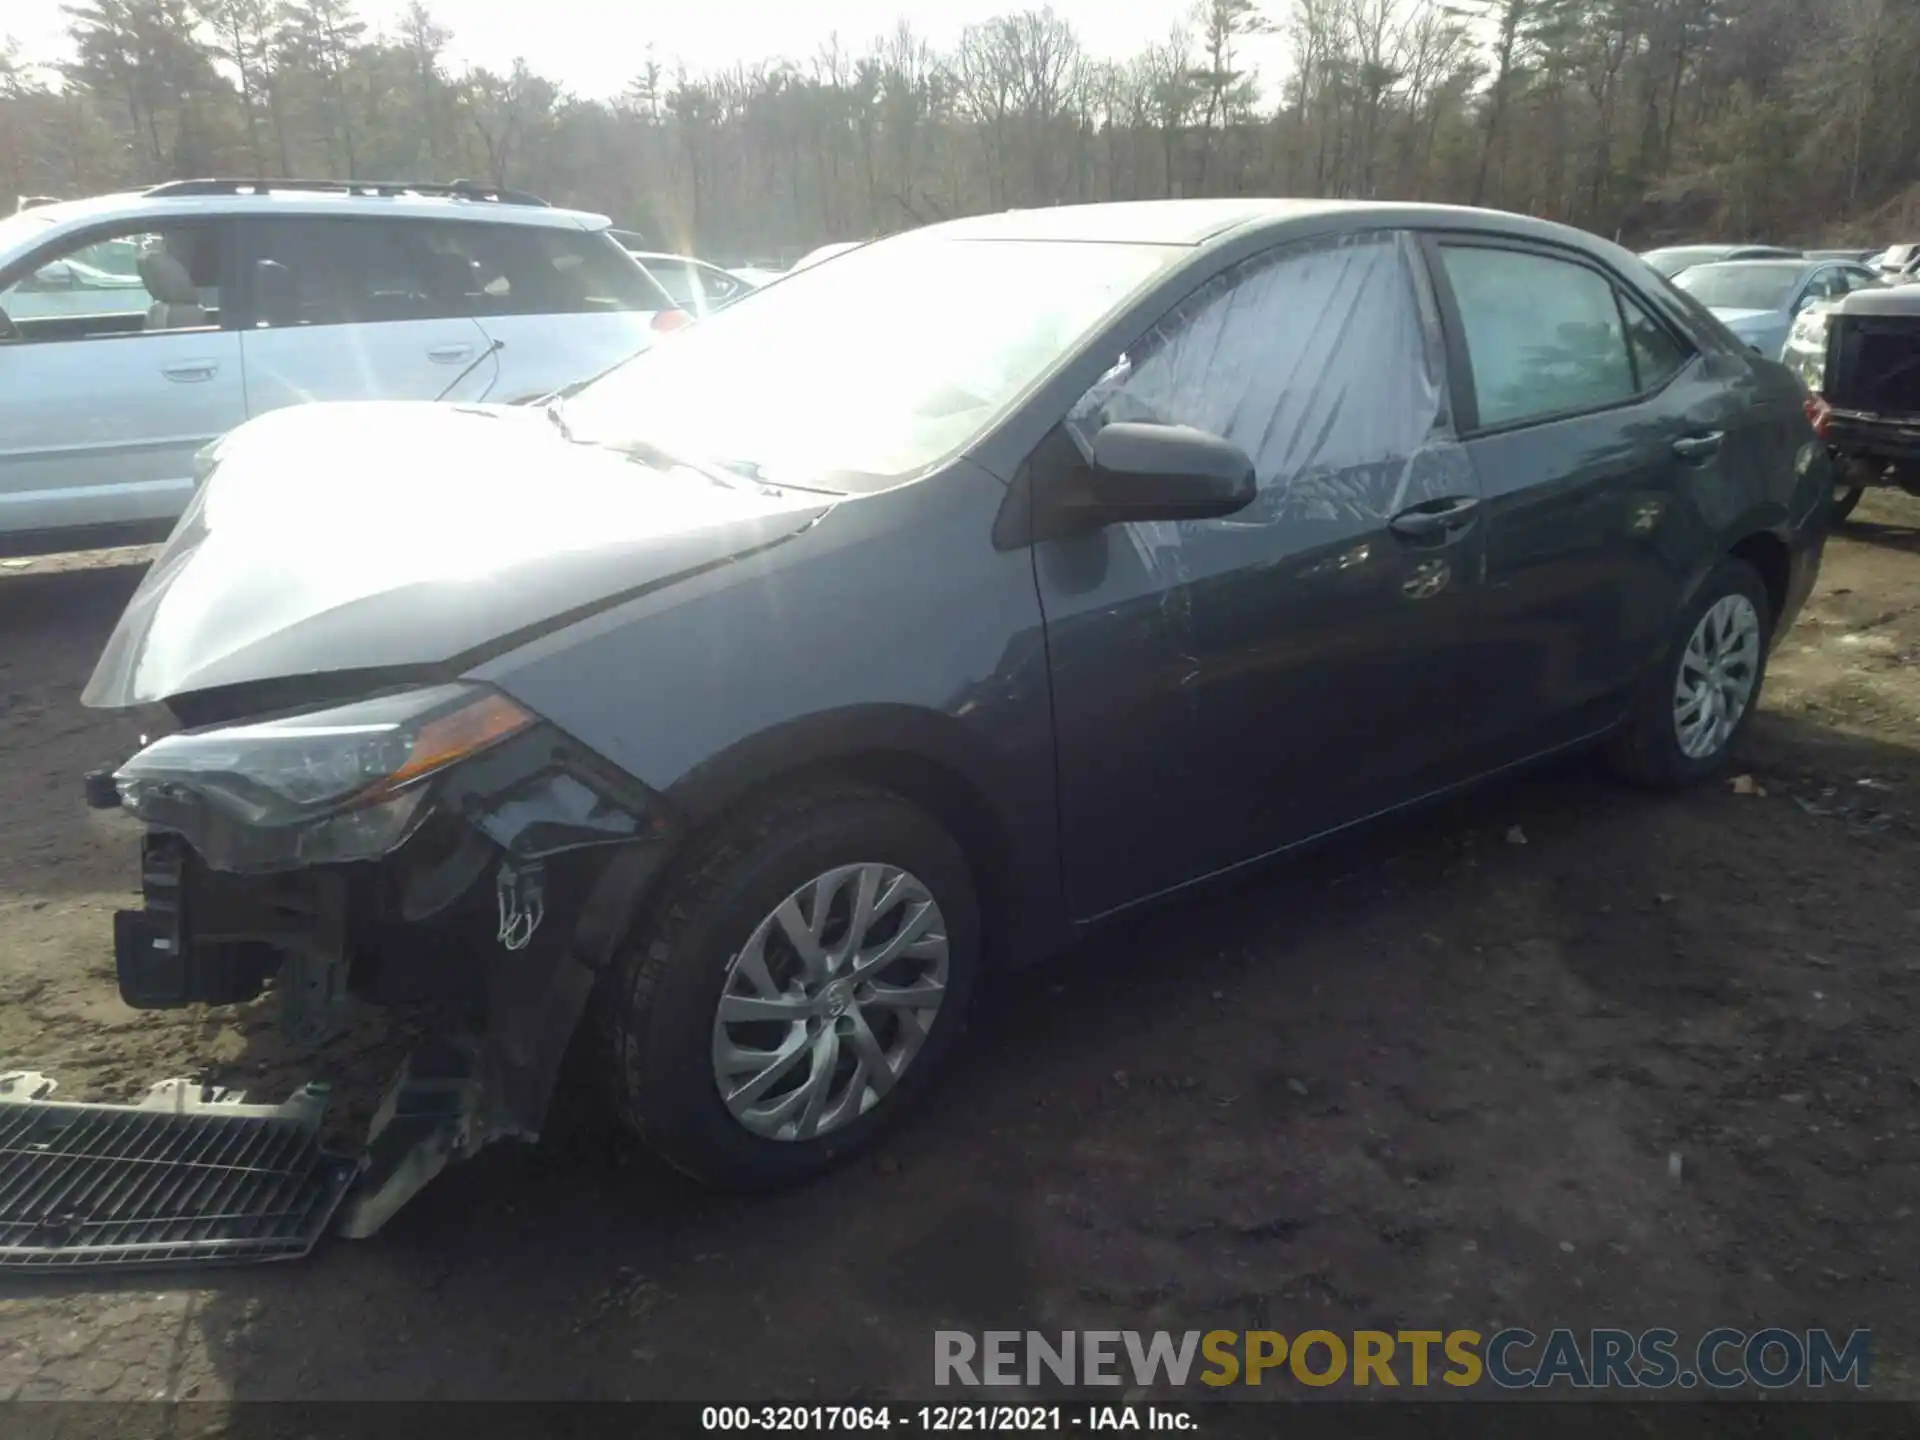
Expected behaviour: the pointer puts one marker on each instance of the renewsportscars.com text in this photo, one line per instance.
(1509, 1359)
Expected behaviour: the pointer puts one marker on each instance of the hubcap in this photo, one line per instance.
(829, 1001)
(1718, 672)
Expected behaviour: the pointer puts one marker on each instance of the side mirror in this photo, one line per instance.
(1165, 472)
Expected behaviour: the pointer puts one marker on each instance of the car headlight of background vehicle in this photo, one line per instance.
(315, 788)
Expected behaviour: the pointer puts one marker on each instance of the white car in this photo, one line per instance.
(136, 328)
(825, 252)
(694, 285)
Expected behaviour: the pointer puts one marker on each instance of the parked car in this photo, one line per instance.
(136, 328)
(825, 252)
(693, 285)
(1860, 361)
(1674, 259)
(1758, 299)
(757, 275)
(937, 607)
(1857, 257)
(1896, 259)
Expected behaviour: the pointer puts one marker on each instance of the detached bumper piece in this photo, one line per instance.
(188, 1176)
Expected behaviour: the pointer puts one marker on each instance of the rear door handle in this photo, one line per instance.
(1699, 447)
(449, 354)
(1436, 519)
(188, 372)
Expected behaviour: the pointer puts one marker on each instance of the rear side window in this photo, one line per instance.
(1544, 336)
(1657, 356)
(536, 270)
(338, 272)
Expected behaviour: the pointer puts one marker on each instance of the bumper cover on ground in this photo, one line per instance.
(187, 1175)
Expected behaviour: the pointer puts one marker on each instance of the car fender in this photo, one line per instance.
(930, 665)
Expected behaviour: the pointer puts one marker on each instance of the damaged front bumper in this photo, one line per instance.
(498, 912)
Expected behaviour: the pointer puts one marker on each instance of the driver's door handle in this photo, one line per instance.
(449, 354)
(187, 372)
(1436, 519)
(1699, 447)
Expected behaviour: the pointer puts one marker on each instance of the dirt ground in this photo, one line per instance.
(1434, 1077)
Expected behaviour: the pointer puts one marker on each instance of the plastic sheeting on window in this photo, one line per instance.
(1321, 362)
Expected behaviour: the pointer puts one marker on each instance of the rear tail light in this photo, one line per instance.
(1819, 413)
(671, 319)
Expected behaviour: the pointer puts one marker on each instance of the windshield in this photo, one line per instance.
(858, 373)
(1743, 286)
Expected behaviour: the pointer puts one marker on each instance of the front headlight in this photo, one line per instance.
(317, 788)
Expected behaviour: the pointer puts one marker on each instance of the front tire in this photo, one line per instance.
(798, 988)
(1700, 698)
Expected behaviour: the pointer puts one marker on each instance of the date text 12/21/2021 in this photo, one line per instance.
(943, 1419)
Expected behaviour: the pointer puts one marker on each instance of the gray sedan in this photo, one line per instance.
(1758, 299)
(939, 606)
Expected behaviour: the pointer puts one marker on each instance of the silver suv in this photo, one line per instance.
(135, 328)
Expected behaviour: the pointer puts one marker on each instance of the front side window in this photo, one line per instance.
(1543, 336)
(1317, 360)
(505, 269)
(854, 375)
(134, 283)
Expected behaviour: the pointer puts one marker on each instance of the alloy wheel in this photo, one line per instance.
(829, 1001)
(1718, 672)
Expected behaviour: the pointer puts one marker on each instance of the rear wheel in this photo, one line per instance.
(1845, 497)
(801, 985)
(1700, 697)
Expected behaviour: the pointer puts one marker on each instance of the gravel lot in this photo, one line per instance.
(1429, 1078)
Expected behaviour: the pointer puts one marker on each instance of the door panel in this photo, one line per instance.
(1593, 520)
(403, 360)
(1224, 688)
(346, 309)
(103, 431)
(108, 395)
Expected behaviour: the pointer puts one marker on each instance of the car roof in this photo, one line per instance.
(76, 214)
(668, 257)
(1780, 263)
(1194, 223)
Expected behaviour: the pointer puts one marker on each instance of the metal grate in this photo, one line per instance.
(188, 1176)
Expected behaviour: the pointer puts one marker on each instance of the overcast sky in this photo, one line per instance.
(595, 47)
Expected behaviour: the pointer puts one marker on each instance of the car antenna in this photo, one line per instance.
(493, 348)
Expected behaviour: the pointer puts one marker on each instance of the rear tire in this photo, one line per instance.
(1665, 745)
(725, 930)
(1845, 498)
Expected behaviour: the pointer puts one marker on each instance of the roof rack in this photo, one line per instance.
(458, 189)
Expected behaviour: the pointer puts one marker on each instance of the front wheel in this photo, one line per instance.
(1701, 696)
(1845, 498)
(796, 990)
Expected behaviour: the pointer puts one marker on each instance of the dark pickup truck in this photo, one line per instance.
(1860, 359)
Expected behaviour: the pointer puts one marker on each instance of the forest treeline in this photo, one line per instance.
(1795, 120)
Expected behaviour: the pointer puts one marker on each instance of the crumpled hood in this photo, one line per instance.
(365, 536)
